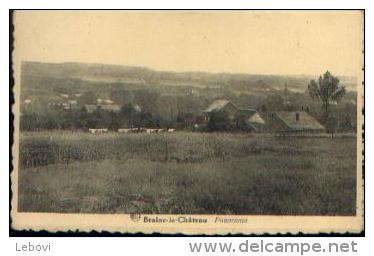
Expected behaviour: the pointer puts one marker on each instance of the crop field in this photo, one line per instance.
(184, 172)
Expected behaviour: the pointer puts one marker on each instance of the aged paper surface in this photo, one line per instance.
(101, 143)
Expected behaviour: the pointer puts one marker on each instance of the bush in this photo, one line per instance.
(219, 121)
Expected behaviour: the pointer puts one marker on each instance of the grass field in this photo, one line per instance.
(187, 173)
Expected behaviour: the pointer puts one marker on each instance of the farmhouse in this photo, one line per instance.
(221, 106)
(293, 121)
(244, 118)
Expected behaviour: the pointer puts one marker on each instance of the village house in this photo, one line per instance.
(247, 119)
(293, 121)
(220, 106)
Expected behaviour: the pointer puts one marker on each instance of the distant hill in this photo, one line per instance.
(81, 76)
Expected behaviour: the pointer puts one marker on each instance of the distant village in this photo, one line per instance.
(69, 102)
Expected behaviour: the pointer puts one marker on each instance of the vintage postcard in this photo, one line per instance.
(188, 122)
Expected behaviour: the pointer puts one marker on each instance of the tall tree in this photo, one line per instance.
(326, 90)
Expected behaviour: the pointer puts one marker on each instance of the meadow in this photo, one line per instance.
(184, 172)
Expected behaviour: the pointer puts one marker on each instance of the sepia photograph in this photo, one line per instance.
(208, 122)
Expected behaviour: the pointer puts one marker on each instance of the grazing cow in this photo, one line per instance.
(142, 130)
(124, 130)
(93, 131)
(137, 130)
(171, 130)
(152, 130)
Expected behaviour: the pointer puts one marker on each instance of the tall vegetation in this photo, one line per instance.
(217, 173)
(81, 119)
(327, 90)
(219, 121)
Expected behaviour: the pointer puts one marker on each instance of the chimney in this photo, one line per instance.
(297, 117)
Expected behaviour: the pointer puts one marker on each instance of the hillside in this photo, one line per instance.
(71, 76)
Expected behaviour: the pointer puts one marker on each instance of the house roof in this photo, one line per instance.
(246, 112)
(216, 106)
(305, 122)
(256, 118)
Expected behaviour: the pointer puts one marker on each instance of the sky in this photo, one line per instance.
(255, 42)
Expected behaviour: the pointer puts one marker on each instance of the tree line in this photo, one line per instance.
(75, 119)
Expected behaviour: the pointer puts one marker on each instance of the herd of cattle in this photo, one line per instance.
(132, 130)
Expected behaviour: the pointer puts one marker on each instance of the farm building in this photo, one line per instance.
(255, 122)
(247, 119)
(221, 106)
(293, 121)
(244, 113)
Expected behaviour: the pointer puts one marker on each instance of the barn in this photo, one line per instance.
(249, 120)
